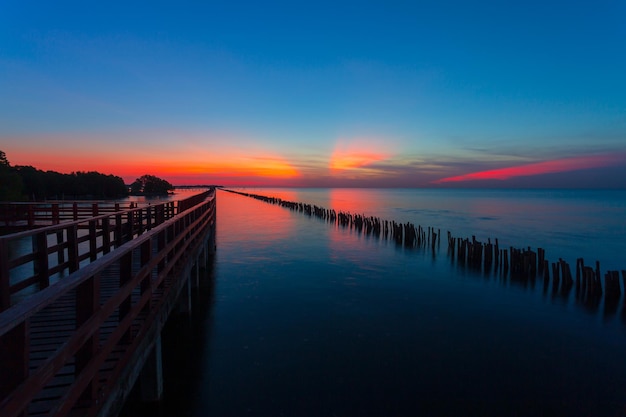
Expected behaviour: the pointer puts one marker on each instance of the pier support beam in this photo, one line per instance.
(184, 301)
(195, 273)
(151, 378)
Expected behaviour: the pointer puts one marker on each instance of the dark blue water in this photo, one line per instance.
(299, 318)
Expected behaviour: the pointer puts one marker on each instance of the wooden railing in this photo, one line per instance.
(29, 215)
(55, 251)
(98, 314)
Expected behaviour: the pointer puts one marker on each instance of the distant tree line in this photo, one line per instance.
(23, 183)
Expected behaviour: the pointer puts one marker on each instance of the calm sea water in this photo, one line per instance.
(300, 318)
(567, 223)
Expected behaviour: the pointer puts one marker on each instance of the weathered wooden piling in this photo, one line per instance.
(525, 264)
(541, 254)
(556, 276)
(580, 265)
(506, 260)
(566, 277)
(611, 285)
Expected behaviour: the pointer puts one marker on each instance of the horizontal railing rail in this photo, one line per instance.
(30, 215)
(111, 302)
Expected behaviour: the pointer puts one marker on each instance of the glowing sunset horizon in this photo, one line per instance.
(343, 99)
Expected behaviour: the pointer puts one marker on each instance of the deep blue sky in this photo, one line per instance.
(320, 93)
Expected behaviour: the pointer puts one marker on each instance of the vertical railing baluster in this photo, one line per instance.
(31, 215)
(40, 263)
(140, 221)
(106, 235)
(55, 213)
(118, 231)
(161, 243)
(149, 217)
(129, 225)
(60, 250)
(93, 244)
(72, 247)
(126, 273)
(146, 255)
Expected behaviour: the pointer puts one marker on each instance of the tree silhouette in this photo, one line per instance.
(151, 185)
(10, 182)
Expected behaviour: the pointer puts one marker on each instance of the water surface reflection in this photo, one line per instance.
(317, 321)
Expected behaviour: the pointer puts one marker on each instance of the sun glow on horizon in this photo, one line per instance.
(187, 162)
(356, 154)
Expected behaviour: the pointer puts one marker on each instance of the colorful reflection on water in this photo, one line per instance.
(305, 319)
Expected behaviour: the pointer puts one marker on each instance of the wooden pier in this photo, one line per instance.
(81, 312)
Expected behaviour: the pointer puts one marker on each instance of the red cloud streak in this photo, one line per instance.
(538, 168)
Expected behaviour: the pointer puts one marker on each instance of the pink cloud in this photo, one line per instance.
(538, 168)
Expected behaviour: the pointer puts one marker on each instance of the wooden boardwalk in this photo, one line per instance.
(75, 347)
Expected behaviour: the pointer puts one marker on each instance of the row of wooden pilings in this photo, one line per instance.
(521, 264)
(528, 264)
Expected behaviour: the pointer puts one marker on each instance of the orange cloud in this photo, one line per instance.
(538, 168)
(356, 154)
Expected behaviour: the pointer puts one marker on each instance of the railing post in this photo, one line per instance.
(5, 283)
(55, 213)
(126, 266)
(93, 246)
(75, 211)
(14, 351)
(106, 235)
(72, 247)
(130, 226)
(161, 243)
(31, 215)
(149, 217)
(140, 220)
(159, 214)
(94, 209)
(60, 251)
(40, 263)
(146, 255)
(87, 304)
(119, 240)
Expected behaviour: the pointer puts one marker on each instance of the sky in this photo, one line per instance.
(445, 93)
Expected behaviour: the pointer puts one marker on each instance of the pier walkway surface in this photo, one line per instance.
(84, 298)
